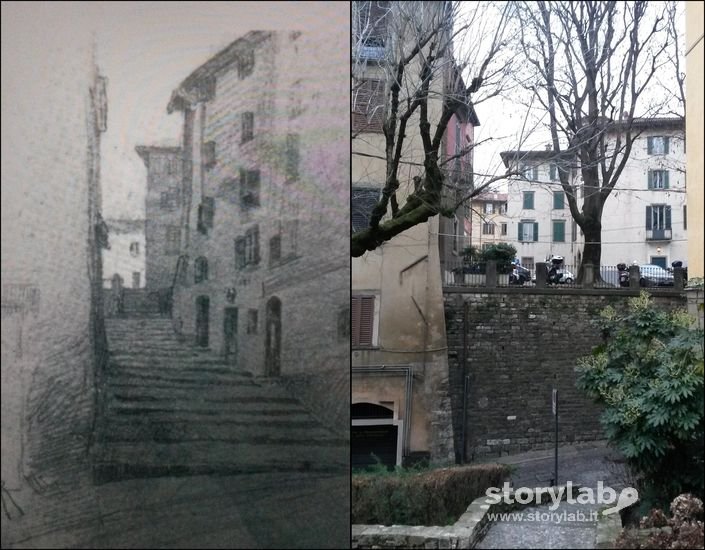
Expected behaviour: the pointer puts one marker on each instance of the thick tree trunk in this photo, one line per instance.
(592, 253)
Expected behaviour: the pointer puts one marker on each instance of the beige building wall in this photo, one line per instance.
(404, 275)
(695, 128)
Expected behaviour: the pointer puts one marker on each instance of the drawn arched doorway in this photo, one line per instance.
(273, 337)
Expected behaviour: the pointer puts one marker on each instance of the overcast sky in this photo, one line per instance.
(146, 49)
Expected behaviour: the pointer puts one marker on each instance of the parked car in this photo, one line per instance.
(519, 275)
(654, 275)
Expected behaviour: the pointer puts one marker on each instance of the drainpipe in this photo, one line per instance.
(398, 370)
(466, 383)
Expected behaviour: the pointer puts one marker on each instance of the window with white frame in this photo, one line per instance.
(657, 145)
(657, 179)
(488, 228)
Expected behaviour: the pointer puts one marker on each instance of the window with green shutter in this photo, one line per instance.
(559, 231)
(528, 200)
(558, 200)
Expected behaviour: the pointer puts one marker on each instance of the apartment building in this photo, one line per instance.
(401, 409)
(262, 273)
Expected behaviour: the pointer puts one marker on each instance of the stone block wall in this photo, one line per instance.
(519, 344)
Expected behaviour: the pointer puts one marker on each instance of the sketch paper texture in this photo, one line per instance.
(175, 275)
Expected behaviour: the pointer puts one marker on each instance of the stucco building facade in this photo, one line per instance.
(125, 256)
(263, 266)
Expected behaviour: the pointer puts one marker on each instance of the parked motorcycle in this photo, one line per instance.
(623, 275)
(555, 272)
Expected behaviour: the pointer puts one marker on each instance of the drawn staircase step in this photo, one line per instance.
(173, 409)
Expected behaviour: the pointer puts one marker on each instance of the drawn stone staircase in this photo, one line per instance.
(171, 409)
(140, 302)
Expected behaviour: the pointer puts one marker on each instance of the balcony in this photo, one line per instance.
(658, 234)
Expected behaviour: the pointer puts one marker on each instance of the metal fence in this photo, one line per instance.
(460, 273)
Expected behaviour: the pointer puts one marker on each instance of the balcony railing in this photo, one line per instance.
(658, 234)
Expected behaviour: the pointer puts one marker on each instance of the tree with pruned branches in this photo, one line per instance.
(589, 65)
(416, 64)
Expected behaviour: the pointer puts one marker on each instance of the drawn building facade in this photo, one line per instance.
(263, 265)
(162, 213)
(53, 336)
(125, 257)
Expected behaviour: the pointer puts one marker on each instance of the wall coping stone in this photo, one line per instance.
(470, 528)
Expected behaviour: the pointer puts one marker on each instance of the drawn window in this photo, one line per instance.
(247, 248)
(134, 249)
(248, 127)
(252, 320)
(292, 157)
(173, 239)
(200, 267)
(249, 189)
(368, 105)
(246, 63)
(363, 309)
(344, 323)
(209, 155)
(206, 213)
(275, 249)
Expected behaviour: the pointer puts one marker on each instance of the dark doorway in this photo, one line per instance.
(659, 260)
(274, 337)
(202, 316)
(230, 335)
(375, 438)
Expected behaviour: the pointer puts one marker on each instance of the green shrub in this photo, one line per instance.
(502, 253)
(433, 497)
(649, 377)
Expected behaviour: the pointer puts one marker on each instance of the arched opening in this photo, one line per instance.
(273, 337)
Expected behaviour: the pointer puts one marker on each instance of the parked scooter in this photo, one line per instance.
(623, 275)
(555, 272)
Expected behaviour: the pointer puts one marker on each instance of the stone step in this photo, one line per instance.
(176, 378)
(170, 366)
(163, 391)
(206, 404)
(276, 430)
(204, 457)
(245, 412)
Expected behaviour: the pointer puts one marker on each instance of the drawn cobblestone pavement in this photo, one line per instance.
(584, 465)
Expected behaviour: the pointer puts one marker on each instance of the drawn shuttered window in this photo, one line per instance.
(292, 157)
(248, 127)
(249, 189)
(246, 63)
(206, 213)
(200, 266)
(368, 105)
(363, 313)
(208, 155)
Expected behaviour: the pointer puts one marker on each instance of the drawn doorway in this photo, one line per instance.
(202, 318)
(273, 338)
(230, 335)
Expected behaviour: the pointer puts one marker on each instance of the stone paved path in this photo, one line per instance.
(538, 526)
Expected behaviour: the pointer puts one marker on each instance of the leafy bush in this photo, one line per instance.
(433, 497)
(502, 253)
(649, 376)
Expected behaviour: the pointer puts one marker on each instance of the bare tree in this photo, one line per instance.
(591, 62)
(406, 85)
